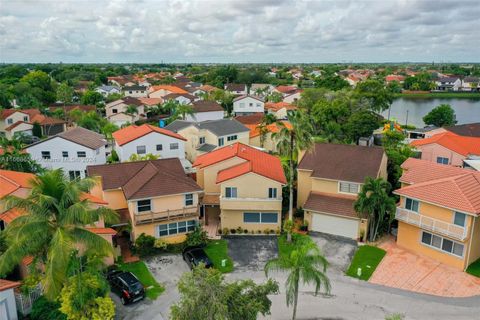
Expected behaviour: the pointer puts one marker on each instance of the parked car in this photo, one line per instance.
(126, 285)
(194, 256)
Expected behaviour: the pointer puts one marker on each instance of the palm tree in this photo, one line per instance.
(304, 263)
(13, 157)
(54, 227)
(131, 111)
(290, 142)
(267, 120)
(183, 110)
(374, 203)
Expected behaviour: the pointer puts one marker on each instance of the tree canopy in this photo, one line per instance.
(441, 116)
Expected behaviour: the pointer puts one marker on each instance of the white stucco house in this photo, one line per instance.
(448, 84)
(236, 88)
(182, 98)
(293, 97)
(205, 110)
(8, 307)
(72, 151)
(107, 90)
(147, 139)
(116, 111)
(135, 91)
(247, 104)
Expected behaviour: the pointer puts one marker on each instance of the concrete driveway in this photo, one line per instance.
(339, 251)
(251, 252)
(406, 270)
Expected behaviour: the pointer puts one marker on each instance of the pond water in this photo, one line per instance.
(412, 110)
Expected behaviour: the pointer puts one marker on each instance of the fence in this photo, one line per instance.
(25, 301)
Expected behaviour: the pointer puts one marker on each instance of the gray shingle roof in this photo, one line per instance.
(206, 147)
(219, 127)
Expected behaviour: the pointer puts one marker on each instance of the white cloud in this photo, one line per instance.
(238, 31)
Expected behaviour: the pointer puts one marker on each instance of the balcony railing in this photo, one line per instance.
(150, 217)
(431, 224)
(250, 203)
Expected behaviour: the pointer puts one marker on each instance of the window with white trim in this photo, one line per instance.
(220, 142)
(173, 228)
(74, 174)
(442, 160)
(25, 118)
(348, 187)
(202, 140)
(230, 192)
(260, 217)
(174, 146)
(141, 149)
(81, 154)
(232, 138)
(46, 155)
(411, 204)
(144, 205)
(9, 121)
(189, 199)
(459, 219)
(442, 244)
(65, 154)
(272, 193)
(159, 147)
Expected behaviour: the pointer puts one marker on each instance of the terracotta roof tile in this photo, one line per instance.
(460, 144)
(12, 180)
(133, 132)
(418, 171)
(172, 89)
(279, 105)
(211, 199)
(333, 204)
(102, 230)
(286, 89)
(7, 284)
(10, 215)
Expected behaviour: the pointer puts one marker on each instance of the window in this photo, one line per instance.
(411, 204)
(144, 205)
(459, 219)
(159, 147)
(65, 154)
(202, 140)
(45, 154)
(242, 105)
(141, 149)
(257, 217)
(9, 121)
(442, 160)
(220, 142)
(25, 118)
(442, 244)
(230, 192)
(114, 111)
(232, 138)
(189, 199)
(250, 104)
(173, 146)
(272, 193)
(348, 187)
(74, 175)
(81, 154)
(176, 228)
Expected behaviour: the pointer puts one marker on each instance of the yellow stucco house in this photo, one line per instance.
(329, 178)
(243, 188)
(438, 212)
(156, 197)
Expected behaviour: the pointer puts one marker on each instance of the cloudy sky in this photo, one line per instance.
(239, 31)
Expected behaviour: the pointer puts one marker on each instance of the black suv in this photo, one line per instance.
(126, 286)
(194, 256)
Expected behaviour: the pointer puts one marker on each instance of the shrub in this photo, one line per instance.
(277, 231)
(233, 231)
(259, 231)
(239, 230)
(160, 244)
(299, 213)
(245, 231)
(44, 309)
(176, 247)
(252, 232)
(266, 231)
(197, 238)
(144, 245)
(226, 231)
(219, 231)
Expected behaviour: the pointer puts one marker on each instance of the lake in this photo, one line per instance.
(466, 110)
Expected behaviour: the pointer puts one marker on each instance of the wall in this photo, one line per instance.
(474, 242)
(192, 134)
(151, 230)
(150, 141)
(23, 127)
(115, 198)
(430, 152)
(210, 174)
(203, 116)
(15, 117)
(232, 219)
(304, 186)
(383, 167)
(122, 107)
(292, 98)
(248, 105)
(57, 145)
(7, 300)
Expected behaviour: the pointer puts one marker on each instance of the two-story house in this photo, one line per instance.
(205, 110)
(182, 98)
(145, 139)
(280, 110)
(447, 148)
(237, 89)
(72, 150)
(206, 136)
(163, 90)
(159, 199)
(117, 111)
(108, 90)
(135, 91)
(21, 121)
(448, 84)
(438, 212)
(243, 188)
(330, 176)
(247, 104)
(471, 84)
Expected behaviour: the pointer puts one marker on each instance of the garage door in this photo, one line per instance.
(335, 225)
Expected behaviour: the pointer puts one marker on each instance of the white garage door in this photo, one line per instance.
(335, 225)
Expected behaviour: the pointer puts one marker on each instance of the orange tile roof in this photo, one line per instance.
(14, 180)
(460, 144)
(102, 230)
(279, 105)
(272, 128)
(7, 284)
(394, 77)
(93, 199)
(286, 89)
(27, 260)
(151, 101)
(208, 88)
(133, 132)
(457, 189)
(16, 124)
(257, 161)
(172, 89)
(12, 214)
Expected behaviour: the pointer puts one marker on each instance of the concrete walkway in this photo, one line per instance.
(406, 270)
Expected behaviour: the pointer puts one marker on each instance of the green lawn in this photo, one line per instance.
(217, 251)
(474, 268)
(284, 247)
(154, 289)
(367, 258)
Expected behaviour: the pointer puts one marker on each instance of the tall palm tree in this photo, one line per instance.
(290, 142)
(374, 203)
(183, 110)
(13, 157)
(304, 263)
(267, 120)
(53, 228)
(131, 111)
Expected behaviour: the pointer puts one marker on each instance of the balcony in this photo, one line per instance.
(431, 224)
(263, 204)
(159, 216)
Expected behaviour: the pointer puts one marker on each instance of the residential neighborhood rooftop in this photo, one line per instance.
(219, 127)
(464, 145)
(81, 136)
(133, 132)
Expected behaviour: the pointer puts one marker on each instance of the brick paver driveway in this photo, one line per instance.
(406, 270)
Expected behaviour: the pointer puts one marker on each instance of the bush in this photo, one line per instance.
(219, 231)
(44, 309)
(226, 231)
(277, 231)
(239, 230)
(160, 244)
(266, 231)
(259, 231)
(233, 231)
(245, 231)
(197, 238)
(144, 245)
(299, 213)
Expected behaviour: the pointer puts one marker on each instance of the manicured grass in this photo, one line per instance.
(217, 251)
(284, 247)
(474, 268)
(154, 289)
(367, 258)
(440, 95)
